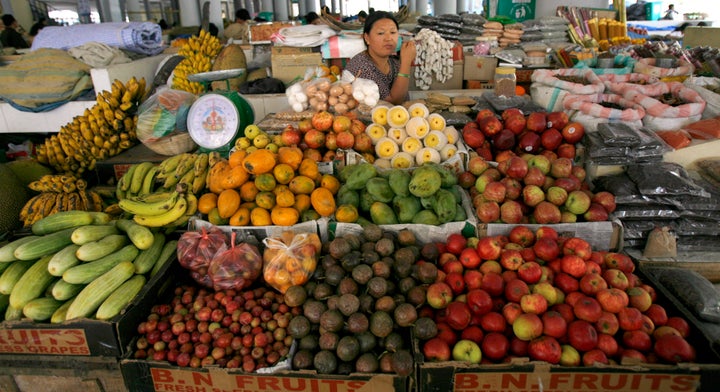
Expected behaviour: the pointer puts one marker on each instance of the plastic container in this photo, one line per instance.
(505, 81)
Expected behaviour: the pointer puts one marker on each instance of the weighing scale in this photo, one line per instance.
(218, 118)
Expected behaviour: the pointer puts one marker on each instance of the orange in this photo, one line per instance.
(248, 191)
(265, 182)
(519, 90)
(241, 217)
(265, 200)
(330, 182)
(207, 202)
(302, 202)
(228, 202)
(283, 173)
(302, 185)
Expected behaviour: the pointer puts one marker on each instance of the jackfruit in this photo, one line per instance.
(13, 196)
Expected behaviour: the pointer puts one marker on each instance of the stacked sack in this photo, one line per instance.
(511, 34)
(493, 30)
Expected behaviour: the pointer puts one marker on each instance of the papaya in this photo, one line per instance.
(382, 214)
(426, 217)
(406, 208)
(359, 177)
(399, 181)
(379, 189)
(346, 195)
(445, 205)
(425, 181)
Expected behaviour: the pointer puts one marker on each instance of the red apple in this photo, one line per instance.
(551, 139)
(446, 333)
(565, 310)
(554, 324)
(679, 324)
(521, 235)
(495, 346)
(632, 357)
(439, 295)
(511, 259)
(588, 309)
(511, 212)
(451, 265)
(594, 356)
(639, 298)
(545, 348)
(566, 150)
(573, 132)
(479, 302)
(607, 324)
(605, 199)
(546, 213)
(515, 123)
(557, 120)
(494, 191)
(473, 279)
(618, 261)
(345, 139)
(490, 125)
(493, 283)
(556, 195)
(630, 319)
(616, 278)
(637, 340)
(363, 143)
(456, 243)
(674, 349)
(489, 248)
(534, 176)
(582, 335)
(436, 349)
(657, 314)
(533, 303)
(511, 311)
(529, 142)
(596, 213)
(532, 195)
(573, 265)
(552, 294)
(578, 247)
(458, 315)
(561, 167)
(607, 344)
(517, 168)
(536, 122)
(491, 266)
(484, 113)
(488, 211)
(570, 356)
(469, 258)
(503, 140)
(473, 333)
(546, 249)
(456, 282)
(566, 283)
(591, 284)
(515, 289)
(493, 322)
(530, 272)
(612, 300)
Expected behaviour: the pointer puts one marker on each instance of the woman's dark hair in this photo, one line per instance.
(163, 25)
(363, 14)
(242, 14)
(212, 30)
(310, 17)
(374, 17)
(8, 20)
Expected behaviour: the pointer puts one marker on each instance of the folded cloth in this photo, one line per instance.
(139, 37)
(98, 55)
(303, 36)
(342, 46)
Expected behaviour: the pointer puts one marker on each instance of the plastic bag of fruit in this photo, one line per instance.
(196, 249)
(235, 266)
(290, 259)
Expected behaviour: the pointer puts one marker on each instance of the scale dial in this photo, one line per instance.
(213, 121)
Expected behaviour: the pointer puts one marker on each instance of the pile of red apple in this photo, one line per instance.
(322, 135)
(232, 329)
(549, 298)
(492, 137)
(533, 189)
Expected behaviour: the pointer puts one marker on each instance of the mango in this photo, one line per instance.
(426, 217)
(380, 190)
(425, 181)
(399, 181)
(448, 178)
(346, 195)
(406, 208)
(359, 177)
(445, 205)
(382, 214)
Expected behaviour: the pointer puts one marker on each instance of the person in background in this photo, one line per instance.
(240, 29)
(379, 62)
(163, 24)
(10, 37)
(670, 13)
(313, 18)
(35, 29)
(362, 15)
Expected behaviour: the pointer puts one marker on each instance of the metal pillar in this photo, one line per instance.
(463, 6)
(412, 6)
(266, 6)
(281, 9)
(444, 7)
(135, 10)
(189, 13)
(421, 7)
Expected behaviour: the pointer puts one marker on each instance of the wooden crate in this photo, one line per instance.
(60, 374)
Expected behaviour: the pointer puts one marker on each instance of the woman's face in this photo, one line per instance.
(382, 38)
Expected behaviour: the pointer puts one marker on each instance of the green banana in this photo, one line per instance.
(149, 181)
(165, 218)
(187, 179)
(199, 183)
(139, 176)
(201, 164)
(152, 197)
(168, 165)
(126, 179)
(171, 181)
(185, 165)
(155, 208)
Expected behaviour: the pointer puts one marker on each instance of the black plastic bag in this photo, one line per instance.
(263, 86)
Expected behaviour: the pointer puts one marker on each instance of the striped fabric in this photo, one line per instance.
(139, 37)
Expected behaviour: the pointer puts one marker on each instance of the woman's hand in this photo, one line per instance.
(407, 54)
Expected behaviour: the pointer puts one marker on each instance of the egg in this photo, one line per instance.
(311, 89)
(348, 88)
(313, 101)
(298, 107)
(341, 108)
(343, 98)
(321, 107)
(324, 85)
(321, 96)
(332, 101)
(352, 104)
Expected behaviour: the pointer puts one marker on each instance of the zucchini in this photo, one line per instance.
(13, 313)
(7, 252)
(63, 259)
(60, 221)
(12, 274)
(84, 234)
(40, 309)
(45, 245)
(145, 261)
(87, 272)
(90, 298)
(63, 290)
(120, 298)
(101, 248)
(59, 315)
(32, 284)
(140, 235)
(166, 256)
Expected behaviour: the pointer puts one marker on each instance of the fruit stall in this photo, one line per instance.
(558, 236)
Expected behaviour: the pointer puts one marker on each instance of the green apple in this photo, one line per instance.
(251, 131)
(467, 351)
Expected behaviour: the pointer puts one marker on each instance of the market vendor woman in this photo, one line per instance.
(379, 62)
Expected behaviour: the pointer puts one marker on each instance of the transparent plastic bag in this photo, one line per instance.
(597, 148)
(664, 178)
(618, 135)
(195, 251)
(164, 113)
(650, 146)
(235, 266)
(290, 260)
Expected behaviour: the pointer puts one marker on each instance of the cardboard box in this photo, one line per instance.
(85, 337)
(290, 66)
(601, 235)
(479, 67)
(454, 83)
(150, 376)
(60, 373)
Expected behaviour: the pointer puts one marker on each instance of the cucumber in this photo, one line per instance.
(120, 298)
(32, 284)
(12, 274)
(84, 234)
(63, 259)
(95, 293)
(44, 245)
(166, 256)
(60, 221)
(63, 290)
(7, 252)
(59, 315)
(105, 246)
(41, 309)
(140, 235)
(147, 258)
(87, 272)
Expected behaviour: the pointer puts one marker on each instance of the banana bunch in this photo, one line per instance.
(161, 209)
(102, 131)
(199, 52)
(59, 193)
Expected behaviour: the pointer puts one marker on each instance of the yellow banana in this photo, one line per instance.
(166, 218)
(201, 164)
(85, 200)
(138, 176)
(167, 167)
(213, 158)
(96, 201)
(192, 202)
(113, 209)
(149, 181)
(185, 165)
(199, 182)
(182, 221)
(126, 179)
(152, 197)
(149, 208)
(187, 179)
